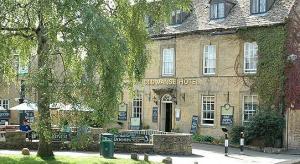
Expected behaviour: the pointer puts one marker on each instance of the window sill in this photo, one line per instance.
(207, 126)
(208, 74)
(259, 14)
(250, 73)
(166, 76)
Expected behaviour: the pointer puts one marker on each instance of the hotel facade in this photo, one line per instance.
(195, 81)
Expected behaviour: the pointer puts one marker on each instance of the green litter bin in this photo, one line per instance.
(107, 149)
(107, 145)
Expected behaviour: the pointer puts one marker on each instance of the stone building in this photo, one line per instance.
(193, 81)
(292, 133)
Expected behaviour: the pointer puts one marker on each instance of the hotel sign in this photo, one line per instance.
(227, 115)
(171, 81)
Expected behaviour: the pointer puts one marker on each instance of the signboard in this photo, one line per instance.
(135, 123)
(227, 115)
(61, 136)
(122, 116)
(4, 114)
(194, 125)
(155, 114)
(131, 138)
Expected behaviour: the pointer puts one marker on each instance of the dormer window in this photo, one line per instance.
(258, 6)
(217, 11)
(220, 9)
(177, 17)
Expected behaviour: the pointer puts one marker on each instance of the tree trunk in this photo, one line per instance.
(44, 93)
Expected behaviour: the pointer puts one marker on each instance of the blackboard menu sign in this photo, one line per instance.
(227, 115)
(122, 116)
(194, 124)
(155, 114)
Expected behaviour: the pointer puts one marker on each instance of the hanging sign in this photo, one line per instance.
(227, 115)
(194, 125)
(155, 114)
(122, 116)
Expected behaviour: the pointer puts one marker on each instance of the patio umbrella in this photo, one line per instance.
(25, 106)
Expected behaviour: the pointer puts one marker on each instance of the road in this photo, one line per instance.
(201, 153)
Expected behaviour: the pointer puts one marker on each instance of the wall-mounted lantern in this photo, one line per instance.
(154, 99)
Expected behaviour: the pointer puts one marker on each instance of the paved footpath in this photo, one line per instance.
(201, 153)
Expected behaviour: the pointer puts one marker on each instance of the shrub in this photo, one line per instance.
(267, 126)
(219, 140)
(112, 130)
(200, 138)
(235, 134)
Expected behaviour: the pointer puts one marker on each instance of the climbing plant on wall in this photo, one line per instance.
(269, 80)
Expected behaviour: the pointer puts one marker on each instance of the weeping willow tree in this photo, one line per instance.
(79, 50)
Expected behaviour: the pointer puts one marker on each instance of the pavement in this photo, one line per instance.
(201, 153)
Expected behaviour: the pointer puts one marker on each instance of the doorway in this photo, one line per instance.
(168, 123)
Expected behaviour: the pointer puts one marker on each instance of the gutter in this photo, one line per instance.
(211, 32)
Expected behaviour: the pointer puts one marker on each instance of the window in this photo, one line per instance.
(209, 60)
(137, 106)
(217, 10)
(177, 17)
(208, 109)
(149, 21)
(21, 67)
(258, 6)
(250, 57)
(4, 104)
(250, 107)
(168, 62)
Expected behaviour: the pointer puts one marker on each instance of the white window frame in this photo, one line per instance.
(178, 17)
(22, 68)
(209, 59)
(252, 110)
(171, 64)
(213, 111)
(251, 56)
(217, 10)
(260, 6)
(137, 110)
(6, 105)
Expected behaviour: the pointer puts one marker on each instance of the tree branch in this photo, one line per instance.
(17, 29)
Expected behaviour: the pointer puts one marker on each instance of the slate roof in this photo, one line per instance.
(239, 16)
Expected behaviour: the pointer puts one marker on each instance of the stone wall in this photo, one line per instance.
(293, 123)
(134, 148)
(174, 144)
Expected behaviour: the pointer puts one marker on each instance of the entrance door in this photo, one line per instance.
(168, 124)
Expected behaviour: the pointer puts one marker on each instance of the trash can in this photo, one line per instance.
(107, 145)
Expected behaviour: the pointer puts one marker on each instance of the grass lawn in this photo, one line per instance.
(15, 159)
